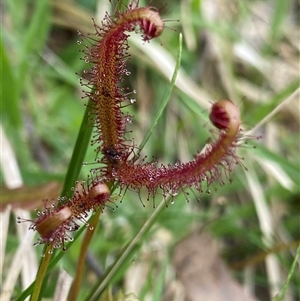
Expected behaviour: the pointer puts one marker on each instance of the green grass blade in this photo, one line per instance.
(281, 295)
(81, 145)
(167, 96)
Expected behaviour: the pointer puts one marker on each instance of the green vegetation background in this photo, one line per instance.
(247, 51)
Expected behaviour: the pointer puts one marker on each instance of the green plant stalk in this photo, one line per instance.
(41, 273)
(81, 260)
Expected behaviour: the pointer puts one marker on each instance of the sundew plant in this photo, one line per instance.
(143, 159)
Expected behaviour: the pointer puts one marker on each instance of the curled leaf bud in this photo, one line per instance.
(50, 224)
(99, 193)
(224, 114)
